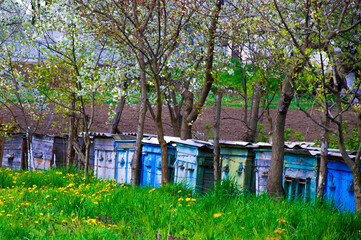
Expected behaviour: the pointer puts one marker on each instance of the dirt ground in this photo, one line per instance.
(232, 127)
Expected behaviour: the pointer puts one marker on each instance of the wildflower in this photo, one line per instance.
(9, 215)
(281, 220)
(193, 199)
(92, 221)
(179, 191)
(217, 215)
(151, 190)
(41, 214)
(279, 231)
(95, 202)
(229, 212)
(188, 199)
(180, 199)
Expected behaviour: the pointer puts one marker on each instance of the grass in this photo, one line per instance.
(238, 101)
(60, 204)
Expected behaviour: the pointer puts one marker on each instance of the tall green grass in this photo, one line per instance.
(60, 204)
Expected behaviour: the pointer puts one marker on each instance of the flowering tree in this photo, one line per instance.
(77, 68)
(20, 97)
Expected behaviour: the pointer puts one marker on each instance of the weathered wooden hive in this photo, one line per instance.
(237, 160)
(14, 152)
(104, 156)
(300, 173)
(48, 151)
(194, 164)
(262, 163)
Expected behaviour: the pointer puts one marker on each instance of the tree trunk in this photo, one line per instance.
(245, 95)
(86, 139)
(356, 174)
(135, 178)
(113, 129)
(31, 163)
(323, 161)
(253, 118)
(274, 181)
(70, 153)
(174, 112)
(216, 149)
(160, 130)
(191, 117)
(186, 127)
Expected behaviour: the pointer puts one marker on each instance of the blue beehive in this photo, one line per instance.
(151, 163)
(194, 164)
(124, 147)
(300, 174)
(339, 184)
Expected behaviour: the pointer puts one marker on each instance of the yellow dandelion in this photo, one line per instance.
(151, 190)
(217, 215)
(193, 199)
(188, 199)
(179, 191)
(180, 199)
(9, 215)
(41, 214)
(36, 222)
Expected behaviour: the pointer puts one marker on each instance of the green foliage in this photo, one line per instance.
(209, 130)
(288, 133)
(100, 209)
(261, 137)
(298, 137)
